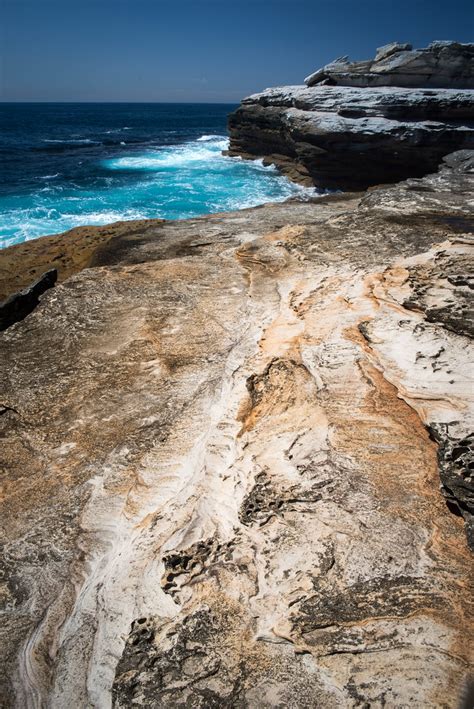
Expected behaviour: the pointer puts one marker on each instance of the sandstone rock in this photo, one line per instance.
(48, 253)
(393, 48)
(223, 444)
(441, 64)
(351, 138)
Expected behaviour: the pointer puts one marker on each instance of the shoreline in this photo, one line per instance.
(220, 416)
(72, 250)
(109, 171)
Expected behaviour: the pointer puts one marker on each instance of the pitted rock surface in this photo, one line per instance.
(223, 446)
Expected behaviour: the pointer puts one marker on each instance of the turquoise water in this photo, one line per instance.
(98, 164)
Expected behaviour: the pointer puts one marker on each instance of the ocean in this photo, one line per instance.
(66, 165)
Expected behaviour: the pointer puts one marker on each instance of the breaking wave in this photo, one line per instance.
(172, 182)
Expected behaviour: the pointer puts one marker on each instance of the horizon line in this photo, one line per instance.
(203, 103)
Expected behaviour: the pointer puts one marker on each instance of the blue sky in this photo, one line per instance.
(199, 50)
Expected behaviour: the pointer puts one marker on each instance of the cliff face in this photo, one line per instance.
(336, 136)
(223, 442)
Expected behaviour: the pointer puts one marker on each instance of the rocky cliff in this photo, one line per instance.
(224, 441)
(355, 125)
(441, 64)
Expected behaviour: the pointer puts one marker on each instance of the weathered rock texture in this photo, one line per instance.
(67, 253)
(440, 65)
(222, 449)
(347, 130)
(351, 138)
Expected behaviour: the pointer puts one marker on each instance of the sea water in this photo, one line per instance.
(65, 165)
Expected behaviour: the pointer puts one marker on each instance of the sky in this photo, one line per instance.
(199, 50)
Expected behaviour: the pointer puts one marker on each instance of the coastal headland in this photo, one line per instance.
(357, 124)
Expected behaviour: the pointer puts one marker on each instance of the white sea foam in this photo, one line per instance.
(176, 182)
(177, 156)
(117, 130)
(206, 138)
(69, 141)
(31, 223)
(105, 217)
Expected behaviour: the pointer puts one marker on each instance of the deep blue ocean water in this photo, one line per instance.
(65, 165)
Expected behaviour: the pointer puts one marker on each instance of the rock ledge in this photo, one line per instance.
(440, 65)
(222, 441)
(336, 135)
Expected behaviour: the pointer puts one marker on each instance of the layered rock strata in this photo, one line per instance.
(358, 124)
(222, 447)
(350, 138)
(440, 65)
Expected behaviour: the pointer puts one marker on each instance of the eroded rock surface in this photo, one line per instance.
(440, 64)
(343, 136)
(222, 449)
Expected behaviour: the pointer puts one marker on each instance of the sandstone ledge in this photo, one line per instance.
(338, 137)
(441, 65)
(223, 443)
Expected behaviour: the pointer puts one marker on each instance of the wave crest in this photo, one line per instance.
(206, 138)
(183, 155)
(173, 182)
